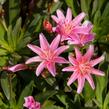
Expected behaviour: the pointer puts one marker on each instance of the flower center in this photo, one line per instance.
(84, 67)
(65, 28)
(48, 55)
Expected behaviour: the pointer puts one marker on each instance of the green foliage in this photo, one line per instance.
(21, 21)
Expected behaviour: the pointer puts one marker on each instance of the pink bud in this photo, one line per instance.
(47, 26)
(17, 67)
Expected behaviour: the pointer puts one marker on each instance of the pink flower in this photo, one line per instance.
(30, 103)
(67, 27)
(82, 39)
(48, 55)
(83, 67)
(16, 68)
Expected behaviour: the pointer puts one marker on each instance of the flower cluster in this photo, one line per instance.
(74, 32)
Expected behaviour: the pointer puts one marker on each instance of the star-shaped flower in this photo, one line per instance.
(68, 28)
(82, 68)
(48, 54)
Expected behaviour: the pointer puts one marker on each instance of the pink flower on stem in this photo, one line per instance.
(68, 28)
(48, 54)
(16, 67)
(30, 103)
(83, 67)
(82, 39)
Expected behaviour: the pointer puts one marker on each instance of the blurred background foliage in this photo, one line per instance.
(20, 23)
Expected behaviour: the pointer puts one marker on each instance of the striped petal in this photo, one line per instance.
(33, 59)
(96, 61)
(77, 20)
(40, 68)
(43, 42)
(35, 49)
(69, 69)
(89, 52)
(90, 80)
(61, 49)
(55, 42)
(73, 77)
(72, 59)
(97, 72)
(69, 15)
(81, 81)
(51, 68)
(55, 18)
(60, 14)
(60, 60)
(78, 53)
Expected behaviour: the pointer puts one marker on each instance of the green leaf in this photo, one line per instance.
(106, 102)
(85, 6)
(100, 3)
(14, 9)
(3, 105)
(2, 31)
(45, 95)
(55, 6)
(63, 99)
(3, 52)
(50, 105)
(73, 6)
(26, 92)
(106, 10)
(88, 93)
(101, 85)
(95, 7)
(97, 17)
(5, 84)
(3, 60)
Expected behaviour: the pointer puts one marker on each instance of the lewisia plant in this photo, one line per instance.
(82, 68)
(48, 55)
(72, 30)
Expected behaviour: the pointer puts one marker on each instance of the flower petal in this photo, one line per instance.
(69, 15)
(69, 69)
(61, 49)
(55, 42)
(33, 59)
(73, 77)
(90, 80)
(89, 52)
(97, 72)
(35, 49)
(60, 60)
(51, 68)
(43, 42)
(60, 14)
(17, 67)
(78, 53)
(81, 81)
(96, 61)
(77, 20)
(72, 59)
(55, 18)
(81, 30)
(40, 68)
